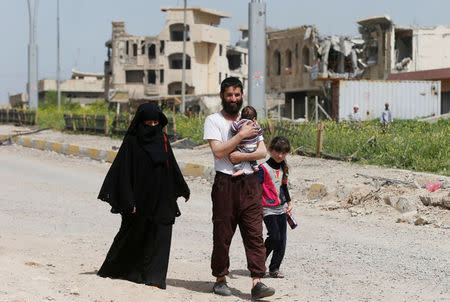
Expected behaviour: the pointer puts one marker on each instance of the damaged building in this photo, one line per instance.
(298, 57)
(145, 66)
(391, 48)
(302, 63)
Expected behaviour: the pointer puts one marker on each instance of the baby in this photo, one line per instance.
(247, 145)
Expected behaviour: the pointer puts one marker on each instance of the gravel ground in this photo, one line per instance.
(343, 190)
(55, 235)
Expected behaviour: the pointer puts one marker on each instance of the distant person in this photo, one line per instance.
(276, 202)
(143, 185)
(355, 117)
(247, 145)
(386, 117)
(235, 200)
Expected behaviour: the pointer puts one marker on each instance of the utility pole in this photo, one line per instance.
(32, 88)
(257, 56)
(58, 68)
(183, 73)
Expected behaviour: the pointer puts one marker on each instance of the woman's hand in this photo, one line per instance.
(134, 210)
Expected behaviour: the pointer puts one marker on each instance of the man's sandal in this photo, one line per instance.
(276, 274)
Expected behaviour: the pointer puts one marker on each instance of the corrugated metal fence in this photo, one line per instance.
(407, 99)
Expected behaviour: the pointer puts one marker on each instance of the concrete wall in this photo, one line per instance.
(431, 48)
(292, 77)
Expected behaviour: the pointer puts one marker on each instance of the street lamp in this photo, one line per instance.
(32, 88)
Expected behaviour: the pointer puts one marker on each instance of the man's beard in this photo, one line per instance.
(232, 109)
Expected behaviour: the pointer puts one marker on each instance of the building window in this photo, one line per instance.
(127, 48)
(277, 62)
(220, 78)
(288, 68)
(152, 51)
(151, 76)
(135, 49)
(134, 76)
(161, 47)
(161, 76)
(143, 47)
(220, 49)
(176, 61)
(176, 32)
(306, 56)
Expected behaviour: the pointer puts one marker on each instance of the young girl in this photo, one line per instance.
(276, 201)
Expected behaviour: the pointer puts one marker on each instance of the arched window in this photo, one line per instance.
(277, 62)
(288, 59)
(306, 57)
(176, 61)
(175, 88)
(176, 32)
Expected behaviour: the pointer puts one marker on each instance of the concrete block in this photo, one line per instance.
(40, 144)
(110, 156)
(317, 191)
(193, 170)
(57, 147)
(92, 153)
(73, 150)
(26, 142)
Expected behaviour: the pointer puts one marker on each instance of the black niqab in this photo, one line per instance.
(145, 173)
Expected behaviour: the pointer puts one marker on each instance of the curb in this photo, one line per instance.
(188, 169)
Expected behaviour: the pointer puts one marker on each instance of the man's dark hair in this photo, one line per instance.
(231, 82)
(249, 113)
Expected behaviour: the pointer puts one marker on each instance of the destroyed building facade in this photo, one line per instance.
(301, 62)
(391, 48)
(144, 66)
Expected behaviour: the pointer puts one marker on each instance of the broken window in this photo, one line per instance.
(234, 59)
(306, 56)
(403, 45)
(277, 62)
(296, 50)
(152, 51)
(161, 47)
(135, 49)
(176, 32)
(127, 51)
(288, 68)
(161, 76)
(176, 61)
(151, 76)
(134, 76)
(143, 47)
(175, 88)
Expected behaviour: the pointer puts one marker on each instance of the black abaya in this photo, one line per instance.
(144, 175)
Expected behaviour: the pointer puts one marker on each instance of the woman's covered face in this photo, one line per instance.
(151, 123)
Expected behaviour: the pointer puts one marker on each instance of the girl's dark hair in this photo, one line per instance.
(281, 144)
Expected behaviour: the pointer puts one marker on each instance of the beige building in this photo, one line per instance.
(145, 66)
(82, 87)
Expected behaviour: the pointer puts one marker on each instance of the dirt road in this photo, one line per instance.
(55, 234)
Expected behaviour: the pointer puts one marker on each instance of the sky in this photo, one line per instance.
(86, 26)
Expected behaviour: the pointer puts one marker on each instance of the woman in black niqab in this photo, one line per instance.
(143, 184)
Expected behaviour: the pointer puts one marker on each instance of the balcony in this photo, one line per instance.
(209, 34)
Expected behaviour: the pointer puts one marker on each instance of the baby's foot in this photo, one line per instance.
(237, 173)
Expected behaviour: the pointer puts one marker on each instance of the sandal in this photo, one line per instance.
(276, 274)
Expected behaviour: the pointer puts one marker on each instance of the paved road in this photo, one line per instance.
(54, 235)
